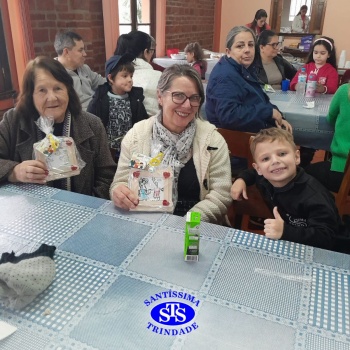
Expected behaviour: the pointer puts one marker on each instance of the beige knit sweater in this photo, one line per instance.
(211, 165)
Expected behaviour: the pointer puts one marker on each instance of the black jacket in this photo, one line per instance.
(99, 104)
(286, 69)
(307, 208)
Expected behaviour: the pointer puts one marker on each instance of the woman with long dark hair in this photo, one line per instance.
(301, 21)
(142, 46)
(259, 22)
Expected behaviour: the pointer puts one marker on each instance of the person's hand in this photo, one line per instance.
(273, 228)
(31, 171)
(286, 126)
(277, 116)
(239, 190)
(320, 88)
(124, 198)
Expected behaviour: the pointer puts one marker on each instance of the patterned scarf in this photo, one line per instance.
(177, 148)
(119, 119)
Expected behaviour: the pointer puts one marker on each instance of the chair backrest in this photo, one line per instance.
(238, 143)
(342, 198)
(346, 77)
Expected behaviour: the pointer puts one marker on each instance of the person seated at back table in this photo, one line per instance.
(118, 103)
(258, 25)
(71, 53)
(304, 211)
(271, 68)
(193, 147)
(195, 57)
(142, 46)
(235, 99)
(322, 62)
(48, 90)
(331, 173)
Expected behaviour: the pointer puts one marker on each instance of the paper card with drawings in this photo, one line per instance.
(154, 189)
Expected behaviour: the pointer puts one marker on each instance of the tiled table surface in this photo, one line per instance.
(310, 126)
(254, 293)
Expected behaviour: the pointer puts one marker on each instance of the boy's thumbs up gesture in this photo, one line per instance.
(273, 228)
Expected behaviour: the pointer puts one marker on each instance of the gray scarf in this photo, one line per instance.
(177, 148)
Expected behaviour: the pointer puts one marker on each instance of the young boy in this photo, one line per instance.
(117, 102)
(304, 211)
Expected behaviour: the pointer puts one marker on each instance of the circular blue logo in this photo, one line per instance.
(172, 313)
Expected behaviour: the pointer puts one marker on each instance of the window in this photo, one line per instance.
(137, 15)
(295, 7)
(6, 89)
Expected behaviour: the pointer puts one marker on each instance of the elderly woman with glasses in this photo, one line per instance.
(271, 68)
(193, 147)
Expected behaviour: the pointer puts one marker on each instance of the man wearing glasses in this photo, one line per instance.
(71, 53)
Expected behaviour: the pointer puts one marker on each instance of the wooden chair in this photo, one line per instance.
(240, 211)
(345, 78)
(342, 198)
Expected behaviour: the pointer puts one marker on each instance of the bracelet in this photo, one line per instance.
(326, 89)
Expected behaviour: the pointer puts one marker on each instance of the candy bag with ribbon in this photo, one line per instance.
(59, 153)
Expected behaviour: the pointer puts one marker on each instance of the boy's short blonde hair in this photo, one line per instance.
(270, 135)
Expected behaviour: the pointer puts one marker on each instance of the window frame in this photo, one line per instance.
(133, 16)
(8, 88)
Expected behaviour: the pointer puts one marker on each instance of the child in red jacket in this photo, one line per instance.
(322, 62)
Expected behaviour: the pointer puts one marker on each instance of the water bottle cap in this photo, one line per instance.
(303, 69)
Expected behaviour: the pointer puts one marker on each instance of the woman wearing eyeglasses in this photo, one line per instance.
(271, 68)
(193, 147)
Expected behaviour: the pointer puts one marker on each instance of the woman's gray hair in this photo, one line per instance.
(181, 70)
(234, 32)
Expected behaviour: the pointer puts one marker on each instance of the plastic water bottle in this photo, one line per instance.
(301, 82)
(311, 85)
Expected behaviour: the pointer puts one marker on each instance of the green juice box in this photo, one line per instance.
(191, 251)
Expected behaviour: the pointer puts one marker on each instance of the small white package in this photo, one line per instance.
(59, 153)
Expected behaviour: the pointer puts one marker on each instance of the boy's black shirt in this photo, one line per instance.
(307, 208)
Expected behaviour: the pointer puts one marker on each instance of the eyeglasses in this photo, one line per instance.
(179, 98)
(274, 45)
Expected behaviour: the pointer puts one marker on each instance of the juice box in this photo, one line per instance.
(191, 250)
